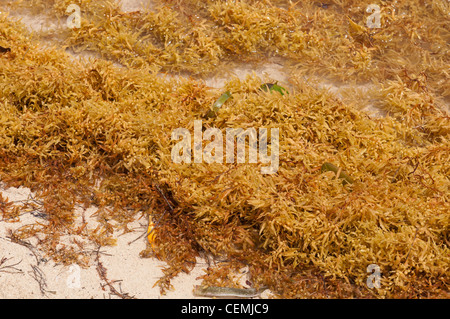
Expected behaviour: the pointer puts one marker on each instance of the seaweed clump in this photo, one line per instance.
(82, 133)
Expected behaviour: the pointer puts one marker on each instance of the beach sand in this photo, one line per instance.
(26, 273)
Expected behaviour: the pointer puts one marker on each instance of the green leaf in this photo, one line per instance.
(217, 105)
(333, 168)
(270, 87)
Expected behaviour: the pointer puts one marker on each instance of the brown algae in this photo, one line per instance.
(98, 132)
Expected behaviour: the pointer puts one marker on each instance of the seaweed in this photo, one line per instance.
(97, 133)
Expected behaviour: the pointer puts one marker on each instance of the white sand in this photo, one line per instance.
(128, 273)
